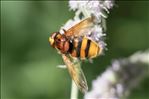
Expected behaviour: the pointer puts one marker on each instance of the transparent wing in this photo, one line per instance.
(76, 73)
(81, 28)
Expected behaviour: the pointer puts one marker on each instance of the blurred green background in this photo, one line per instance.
(29, 64)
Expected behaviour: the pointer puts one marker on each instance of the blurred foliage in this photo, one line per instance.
(28, 63)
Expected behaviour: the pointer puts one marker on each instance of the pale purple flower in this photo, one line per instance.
(76, 4)
(73, 5)
(122, 76)
(108, 4)
(92, 7)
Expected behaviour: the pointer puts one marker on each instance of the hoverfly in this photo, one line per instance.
(75, 46)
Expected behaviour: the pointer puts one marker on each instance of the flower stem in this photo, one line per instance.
(74, 91)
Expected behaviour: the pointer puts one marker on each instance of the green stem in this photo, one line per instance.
(74, 91)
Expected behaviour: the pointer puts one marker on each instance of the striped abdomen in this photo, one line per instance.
(84, 48)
